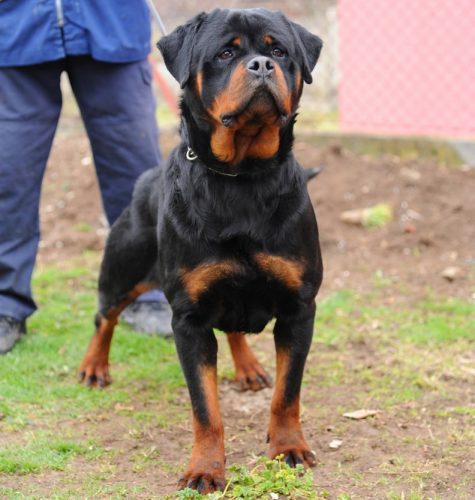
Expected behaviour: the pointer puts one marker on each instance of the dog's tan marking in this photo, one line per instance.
(202, 277)
(285, 431)
(199, 83)
(284, 91)
(268, 40)
(249, 372)
(207, 455)
(298, 84)
(284, 270)
(222, 144)
(255, 132)
(229, 100)
(266, 144)
(94, 367)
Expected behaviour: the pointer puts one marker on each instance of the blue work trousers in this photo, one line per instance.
(118, 109)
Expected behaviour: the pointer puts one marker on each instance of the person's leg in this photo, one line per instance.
(30, 103)
(118, 108)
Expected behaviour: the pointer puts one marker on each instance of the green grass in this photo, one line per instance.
(39, 387)
(378, 215)
(268, 476)
(83, 227)
(439, 321)
(41, 451)
(38, 379)
(412, 348)
(434, 320)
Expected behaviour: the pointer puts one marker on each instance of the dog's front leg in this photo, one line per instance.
(293, 336)
(197, 350)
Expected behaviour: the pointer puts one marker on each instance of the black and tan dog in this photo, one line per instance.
(226, 228)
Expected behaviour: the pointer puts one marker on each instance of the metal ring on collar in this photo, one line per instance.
(191, 155)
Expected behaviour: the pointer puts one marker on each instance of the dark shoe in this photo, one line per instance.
(149, 317)
(11, 330)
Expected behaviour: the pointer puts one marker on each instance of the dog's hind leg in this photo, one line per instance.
(129, 257)
(94, 369)
(249, 373)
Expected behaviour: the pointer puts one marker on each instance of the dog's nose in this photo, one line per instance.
(260, 66)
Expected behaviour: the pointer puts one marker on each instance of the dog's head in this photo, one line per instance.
(242, 72)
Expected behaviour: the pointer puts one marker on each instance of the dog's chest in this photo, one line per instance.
(243, 295)
(261, 268)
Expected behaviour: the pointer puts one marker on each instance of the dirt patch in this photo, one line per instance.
(431, 230)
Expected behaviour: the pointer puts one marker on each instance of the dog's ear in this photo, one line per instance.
(309, 46)
(177, 48)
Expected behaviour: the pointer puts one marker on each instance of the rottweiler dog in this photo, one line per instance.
(226, 228)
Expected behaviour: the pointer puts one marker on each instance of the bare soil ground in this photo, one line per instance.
(411, 446)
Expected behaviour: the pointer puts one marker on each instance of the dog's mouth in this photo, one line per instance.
(251, 127)
(263, 106)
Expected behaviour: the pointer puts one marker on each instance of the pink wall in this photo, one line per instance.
(407, 66)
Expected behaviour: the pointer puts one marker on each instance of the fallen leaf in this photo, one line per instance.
(450, 273)
(335, 444)
(353, 217)
(360, 414)
(375, 216)
(411, 174)
(122, 407)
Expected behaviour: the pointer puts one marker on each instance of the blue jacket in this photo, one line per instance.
(37, 31)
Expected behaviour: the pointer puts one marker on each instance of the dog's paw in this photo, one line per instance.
(205, 477)
(205, 473)
(203, 482)
(292, 446)
(295, 455)
(94, 373)
(252, 377)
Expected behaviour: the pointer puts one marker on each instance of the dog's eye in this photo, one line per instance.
(277, 52)
(226, 54)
